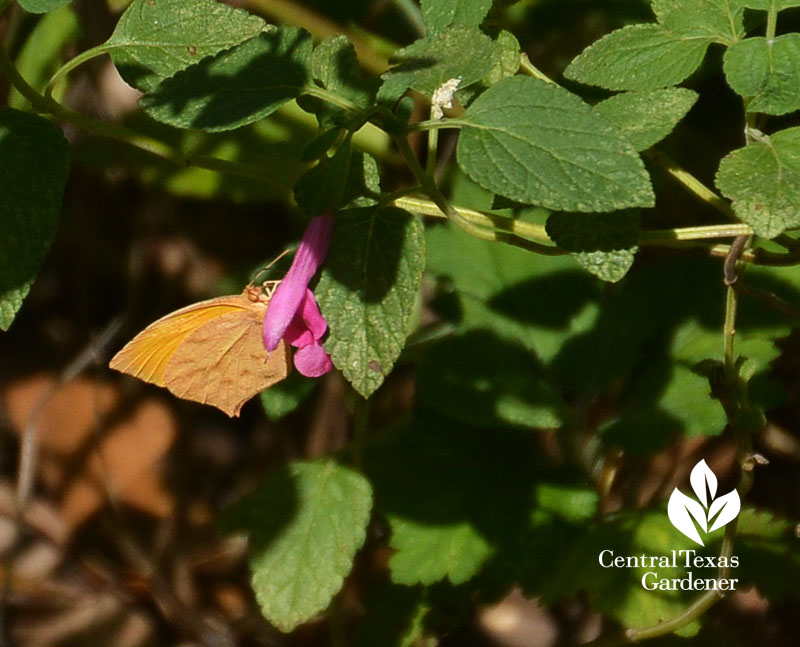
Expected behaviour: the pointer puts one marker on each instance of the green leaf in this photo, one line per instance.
(720, 21)
(638, 57)
(154, 39)
(763, 180)
(769, 75)
(768, 551)
(347, 179)
(439, 485)
(236, 87)
(479, 379)
(603, 244)
(335, 67)
(306, 522)
(507, 65)
(41, 6)
(645, 118)
(457, 51)
(34, 167)
(439, 14)
(368, 289)
(425, 553)
(537, 143)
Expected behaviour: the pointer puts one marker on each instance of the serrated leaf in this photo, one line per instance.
(720, 21)
(439, 14)
(507, 65)
(604, 244)
(638, 57)
(154, 39)
(763, 180)
(766, 73)
(457, 51)
(41, 6)
(306, 523)
(34, 166)
(334, 66)
(424, 552)
(368, 289)
(537, 143)
(438, 484)
(645, 118)
(236, 87)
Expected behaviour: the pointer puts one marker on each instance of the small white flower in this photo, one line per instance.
(443, 97)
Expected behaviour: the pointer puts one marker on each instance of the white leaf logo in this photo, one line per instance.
(684, 512)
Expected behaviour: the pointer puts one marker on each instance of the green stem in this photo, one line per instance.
(330, 97)
(772, 22)
(705, 232)
(538, 233)
(531, 70)
(4, 4)
(729, 333)
(433, 145)
(70, 65)
(691, 183)
(430, 124)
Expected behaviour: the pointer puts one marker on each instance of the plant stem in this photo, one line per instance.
(430, 124)
(531, 70)
(704, 232)
(70, 65)
(691, 183)
(330, 97)
(433, 145)
(729, 334)
(772, 23)
(538, 233)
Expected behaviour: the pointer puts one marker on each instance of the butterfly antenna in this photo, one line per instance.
(261, 271)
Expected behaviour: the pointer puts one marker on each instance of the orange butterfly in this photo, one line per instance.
(210, 352)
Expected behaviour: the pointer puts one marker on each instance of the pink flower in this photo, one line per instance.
(293, 313)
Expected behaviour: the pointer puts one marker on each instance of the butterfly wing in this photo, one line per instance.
(147, 355)
(224, 363)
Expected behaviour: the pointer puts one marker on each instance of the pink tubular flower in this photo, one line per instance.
(293, 313)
